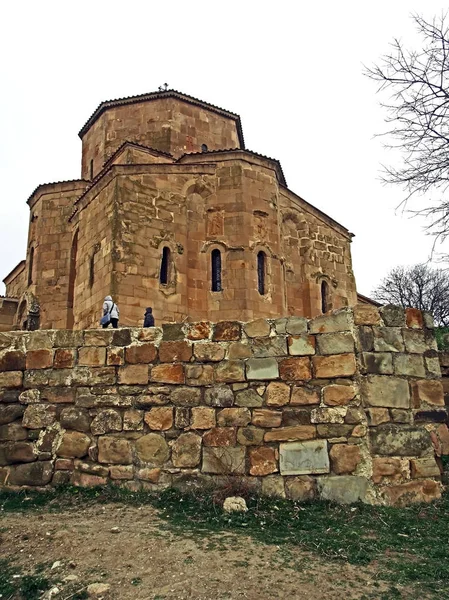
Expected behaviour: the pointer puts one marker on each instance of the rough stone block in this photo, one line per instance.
(304, 396)
(239, 350)
(329, 415)
(113, 450)
(262, 461)
(337, 321)
(266, 347)
(75, 418)
(220, 436)
(152, 448)
(199, 374)
(294, 325)
(388, 339)
(10, 412)
(427, 391)
(365, 314)
(199, 331)
(220, 396)
(344, 489)
(121, 472)
(106, 421)
(424, 467)
(344, 458)
(168, 373)
(335, 343)
(393, 316)
(179, 351)
(37, 416)
(377, 416)
(73, 444)
(144, 353)
(13, 432)
(229, 371)
(208, 351)
(134, 374)
(412, 492)
(172, 332)
(414, 318)
(295, 416)
(273, 485)
(17, 452)
(121, 337)
(94, 356)
(338, 395)
(250, 436)
(249, 398)
(388, 469)
(258, 328)
(159, 418)
(295, 369)
(416, 342)
(230, 417)
(261, 368)
(337, 365)
(384, 391)
(365, 339)
(287, 434)
(35, 474)
(115, 357)
(186, 451)
(400, 415)
(203, 418)
(226, 331)
(400, 440)
(97, 337)
(411, 365)
(301, 345)
(303, 458)
(64, 358)
(13, 360)
(277, 394)
(301, 489)
(185, 396)
(379, 363)
(224, 461)
(182, 418)
(266, 418)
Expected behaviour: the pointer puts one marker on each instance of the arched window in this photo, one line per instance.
(30, 267)
(165, 265)
(261, 272)
(203, 148)
(216, 270)
(324, 297)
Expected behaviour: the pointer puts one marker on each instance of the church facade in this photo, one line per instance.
(172, 211)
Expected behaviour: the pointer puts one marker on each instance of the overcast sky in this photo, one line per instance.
(291, 69)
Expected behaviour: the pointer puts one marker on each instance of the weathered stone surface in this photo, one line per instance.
(295, 369)
(121, 337)
(388, 469)
(427, 391)
(95, 590)
(328, 415)
(286, 434)
(114, 450)
(238, 417)
(338, 395)
(400, 415)
(304, 396)
(172, 331)
(365, 339)
(416, 342)
(388, 339)
(220, 436)
(36, 473)
(365, 314)
(221, 396)
(11, 379)
(262, 461)
(379, 363)
(10, 412)
(73, 444)
(94, 337)
(208, 351)
(292, 325)
(134, 374)
(115, 357)
(143, 353)
(249, 398)
(13, 432)
(39, 359)
(199, 374)
(62, 395)
(261, 368)
(199, 331)
(273, 485)
(301, 345)
(121, 472)
(266, 347)
(412, 492)
(344, 489)
(37, 416)
(234, 504)
(277, 394)
(393, 316)
(182, 418)
(295, 416)
(440, 440)
(185, 396)
(303, 458)
(411, 365)
(64, 358)
(159, 418)
(239, 350)
(301, 489)
(151, 475)
(338, 321)
(12, 360)
(397, 440)
(414, 318)
(224, 460)
(384, 391)
(106, 421)
(433, 366)
(344, 458)
(332, 430)
(355, 415)
(424, 467)
(168, 373)
(152, 448)
(175, 351)
(17, 452)
(225, 331)
(257, 328)
(76, 418)
(266, 418)
(94, 356)
(133, 420)
(337, 365)
(250, 436)
(203, 418)
(229, 371)
(335, 343)
(87, 479)
(377, 416)
(186, 451)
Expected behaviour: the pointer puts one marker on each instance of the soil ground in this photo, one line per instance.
(135, 551)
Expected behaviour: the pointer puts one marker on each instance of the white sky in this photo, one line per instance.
(291, 69)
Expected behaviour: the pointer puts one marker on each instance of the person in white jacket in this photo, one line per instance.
(110, 309)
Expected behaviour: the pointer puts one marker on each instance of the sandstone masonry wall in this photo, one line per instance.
(346, 406)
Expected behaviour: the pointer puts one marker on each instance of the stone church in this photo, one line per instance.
(172, 211)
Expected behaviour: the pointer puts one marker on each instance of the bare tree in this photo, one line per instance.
(417, 287)
(418, 111)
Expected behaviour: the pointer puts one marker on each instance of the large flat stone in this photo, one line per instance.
(385, 391)
(224, 460)
(343, 489)
(400, 440)
(262, 368)
(303, 458)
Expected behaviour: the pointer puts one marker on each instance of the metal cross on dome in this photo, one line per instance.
(163, 87)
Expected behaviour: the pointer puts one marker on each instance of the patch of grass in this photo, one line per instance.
(442, 342)
(26, 587)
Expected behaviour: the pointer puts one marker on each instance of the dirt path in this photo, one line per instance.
(144, 560)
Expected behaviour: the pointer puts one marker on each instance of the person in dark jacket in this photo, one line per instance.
(149, 319)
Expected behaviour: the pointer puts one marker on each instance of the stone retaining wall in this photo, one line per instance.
(346, 406)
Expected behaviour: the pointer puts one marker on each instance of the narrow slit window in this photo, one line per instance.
(30, 267)
(216, 271)
(165, 264)
(92, 270)
(324, 297)
(91, 169)
(261, 272)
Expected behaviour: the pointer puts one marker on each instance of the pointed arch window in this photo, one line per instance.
(165, 265)
(262, 272)
(31, 266)
(324, 297)
(216, 271)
